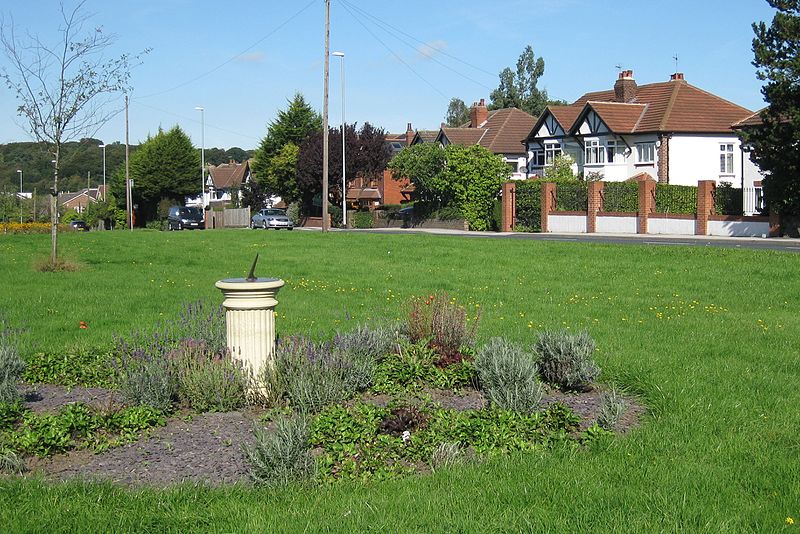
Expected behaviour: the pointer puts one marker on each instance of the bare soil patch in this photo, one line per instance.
(207, 448)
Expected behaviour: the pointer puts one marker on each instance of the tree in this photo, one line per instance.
(776, 143)
(457, 113)
(518, 89)
(281, 180)
(366, 156)
(291, 126)
(165, 166)
(468, 178)
(63, 89)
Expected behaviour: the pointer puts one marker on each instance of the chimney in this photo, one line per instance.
(676, 76)
(478, 114)
(409, 134)
(625, 87)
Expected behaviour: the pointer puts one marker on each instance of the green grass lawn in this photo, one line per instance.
(707, 337)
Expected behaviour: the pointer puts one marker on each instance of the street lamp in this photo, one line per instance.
(340, 55)
(20, 195)
(202, 156)
(103, 146)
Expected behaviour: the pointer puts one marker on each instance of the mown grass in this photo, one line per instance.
(707, 337)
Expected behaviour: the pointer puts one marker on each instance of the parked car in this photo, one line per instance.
(79, 226)
(271, 218)
(182, 217)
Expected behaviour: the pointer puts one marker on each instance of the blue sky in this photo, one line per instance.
(241, 60)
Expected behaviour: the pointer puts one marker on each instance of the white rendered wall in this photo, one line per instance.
(567, 223)
(670, 226)
(696, 157)
(738, 228)
(616, 225)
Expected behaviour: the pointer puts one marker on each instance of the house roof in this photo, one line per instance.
(753, 120)
(94, 193)
(675, 106)
(502, 133)
(425, 136)
(228, 175)
(364, 193)
(620, 118)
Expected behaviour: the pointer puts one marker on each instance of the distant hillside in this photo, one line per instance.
(78, 159)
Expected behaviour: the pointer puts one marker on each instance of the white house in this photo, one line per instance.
(673, 131)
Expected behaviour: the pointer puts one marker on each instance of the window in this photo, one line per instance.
(645, 152)
(551, 150)
(726, 158)
(537, 158)
(615, 151)
(595, 153)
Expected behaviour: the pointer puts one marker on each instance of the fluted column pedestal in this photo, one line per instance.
(250, 323)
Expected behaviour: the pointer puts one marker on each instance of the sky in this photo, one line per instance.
(404, 61)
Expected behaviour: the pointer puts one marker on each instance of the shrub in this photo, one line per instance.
(147, 380)
(11, 369)
(443, 323)
(362, 219)
(448, 213)
(451, 454)
(565, 359)
(612, 408)
(293, 212)
(313, 375)
(210, 382)
(509, 376)
(281, 456)
(561, 169)
(77, 366)
(374, 341)
(728, 200)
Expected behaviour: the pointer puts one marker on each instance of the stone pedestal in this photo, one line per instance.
(250, 322)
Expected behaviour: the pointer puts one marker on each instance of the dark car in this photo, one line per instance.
(183, 218)
(271, 218)
(79, 226)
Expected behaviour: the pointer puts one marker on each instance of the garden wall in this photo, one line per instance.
(642, 207)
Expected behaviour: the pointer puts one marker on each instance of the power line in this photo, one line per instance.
(398, 30)
(262, 39)
(182, 117)
(400, 59)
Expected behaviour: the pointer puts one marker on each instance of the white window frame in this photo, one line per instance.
(552, 149)
(537, 158)
(643, 150)
(594, 152)
(615, 151)
(726, 160)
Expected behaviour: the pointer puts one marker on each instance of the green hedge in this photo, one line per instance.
(363, 219)
(728, 200)
(621, 197)
(572, 196)
(676, 198)
(529, 206)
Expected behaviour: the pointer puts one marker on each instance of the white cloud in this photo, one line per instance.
(430, 48)
(252, 57)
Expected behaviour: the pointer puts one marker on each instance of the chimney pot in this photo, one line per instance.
(677, 76)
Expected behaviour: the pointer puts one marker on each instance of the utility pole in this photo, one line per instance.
(325, 222)
(128, 194)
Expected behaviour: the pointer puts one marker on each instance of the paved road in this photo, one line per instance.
(773, 243)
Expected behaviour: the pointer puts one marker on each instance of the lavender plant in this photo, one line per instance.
(281, 456)
(11, 365)
(566, 359)
(509, 376)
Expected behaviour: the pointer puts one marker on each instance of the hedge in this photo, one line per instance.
(572, 196)
(362, 219)
(728, 200)
(621, 197)
(529, 206)
(676, 198)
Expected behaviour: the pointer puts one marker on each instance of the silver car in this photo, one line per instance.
(271, 218)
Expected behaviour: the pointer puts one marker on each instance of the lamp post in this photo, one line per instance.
(340, 55)
(202, 156)
(103, 146)
(19, 171)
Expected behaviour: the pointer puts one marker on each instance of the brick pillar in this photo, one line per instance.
(595, 205)
(548, 203)
(647, 194)
(663, 160)
(774, 224)
(705, 205)
(509, 207)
